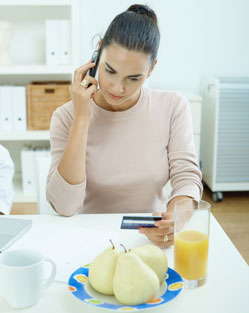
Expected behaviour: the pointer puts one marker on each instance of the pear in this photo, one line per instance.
(101, 270)
(154, 257)
(134, 281)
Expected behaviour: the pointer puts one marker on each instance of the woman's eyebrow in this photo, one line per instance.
(135, 75)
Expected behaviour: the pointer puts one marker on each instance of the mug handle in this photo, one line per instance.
(51, 278)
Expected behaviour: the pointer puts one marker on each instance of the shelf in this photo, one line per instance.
(19, 195)
(25, 135)
(15, 69)
(28, 53)
(36, 2)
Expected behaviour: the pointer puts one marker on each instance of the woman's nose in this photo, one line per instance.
(118, 88)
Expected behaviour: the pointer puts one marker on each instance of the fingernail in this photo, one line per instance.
(157, 224)
(141, 231)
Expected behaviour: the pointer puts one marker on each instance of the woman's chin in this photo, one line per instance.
(111, 100)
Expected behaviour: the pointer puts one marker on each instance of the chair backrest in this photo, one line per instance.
(43, 165)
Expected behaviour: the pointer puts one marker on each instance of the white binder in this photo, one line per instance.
(0, 108)
(52, 42)
(43, 165)
(6, 119)
(28, 171)
(64, 42)
(39, 153)
(19, 108)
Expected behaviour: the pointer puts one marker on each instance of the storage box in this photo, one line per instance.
(43, 98)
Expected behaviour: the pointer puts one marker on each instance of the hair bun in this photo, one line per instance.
(143, 10)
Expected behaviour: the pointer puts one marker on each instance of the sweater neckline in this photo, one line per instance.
(119, 114)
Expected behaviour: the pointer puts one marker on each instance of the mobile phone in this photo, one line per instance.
(136, 222)
(95, 58)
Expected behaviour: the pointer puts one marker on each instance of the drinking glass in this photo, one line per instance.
(191, 241)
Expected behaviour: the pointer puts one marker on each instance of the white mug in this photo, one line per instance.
(22, 277)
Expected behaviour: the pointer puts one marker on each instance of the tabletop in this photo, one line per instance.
(74, 241)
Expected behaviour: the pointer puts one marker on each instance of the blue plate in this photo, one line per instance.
(79, 285)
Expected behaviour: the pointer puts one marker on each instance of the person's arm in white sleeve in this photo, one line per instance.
(66, 197)
(6, 181)
(185, 174)
(66, 183)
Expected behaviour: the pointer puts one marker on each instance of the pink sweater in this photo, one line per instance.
(131, 155)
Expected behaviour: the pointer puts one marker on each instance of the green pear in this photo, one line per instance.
(154, 257)
(102, 269)
(134, 281)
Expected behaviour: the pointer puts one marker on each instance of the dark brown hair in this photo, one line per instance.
(135, 29)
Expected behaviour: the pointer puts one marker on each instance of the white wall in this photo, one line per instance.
(197, 37)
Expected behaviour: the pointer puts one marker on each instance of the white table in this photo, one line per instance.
(74, 241)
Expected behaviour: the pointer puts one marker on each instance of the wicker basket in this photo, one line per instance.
(42, 100)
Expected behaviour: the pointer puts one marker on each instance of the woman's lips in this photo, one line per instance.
(114, 97)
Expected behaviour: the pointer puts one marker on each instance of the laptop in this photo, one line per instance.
(11, 229)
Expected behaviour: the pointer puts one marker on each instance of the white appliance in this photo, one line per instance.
(225, 134)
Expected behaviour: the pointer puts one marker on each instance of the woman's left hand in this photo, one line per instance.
(163, 234)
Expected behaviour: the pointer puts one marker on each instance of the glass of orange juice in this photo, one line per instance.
(191, 240)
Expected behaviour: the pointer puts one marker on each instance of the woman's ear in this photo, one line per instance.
(99, 44)
(152, 68)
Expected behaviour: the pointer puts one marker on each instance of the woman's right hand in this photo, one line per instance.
(81, 96)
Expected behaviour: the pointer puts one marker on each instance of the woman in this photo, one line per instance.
(115, 148)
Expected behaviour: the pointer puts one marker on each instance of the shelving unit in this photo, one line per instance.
(29, 63)
(31, 69)
(30, 135)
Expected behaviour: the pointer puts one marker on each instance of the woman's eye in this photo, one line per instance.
(108, 71)
(131, 78)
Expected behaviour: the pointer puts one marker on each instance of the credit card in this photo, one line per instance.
(136, 222)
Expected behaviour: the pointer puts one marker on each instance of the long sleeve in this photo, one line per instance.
(6, 181)
(185, 174)
(130, 157)
(65, 199)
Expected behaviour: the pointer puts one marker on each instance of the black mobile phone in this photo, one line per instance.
(95, 58)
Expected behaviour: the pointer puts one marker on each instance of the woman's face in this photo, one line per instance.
(121, 74)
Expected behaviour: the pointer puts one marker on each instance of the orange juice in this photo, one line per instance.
(191, 253)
